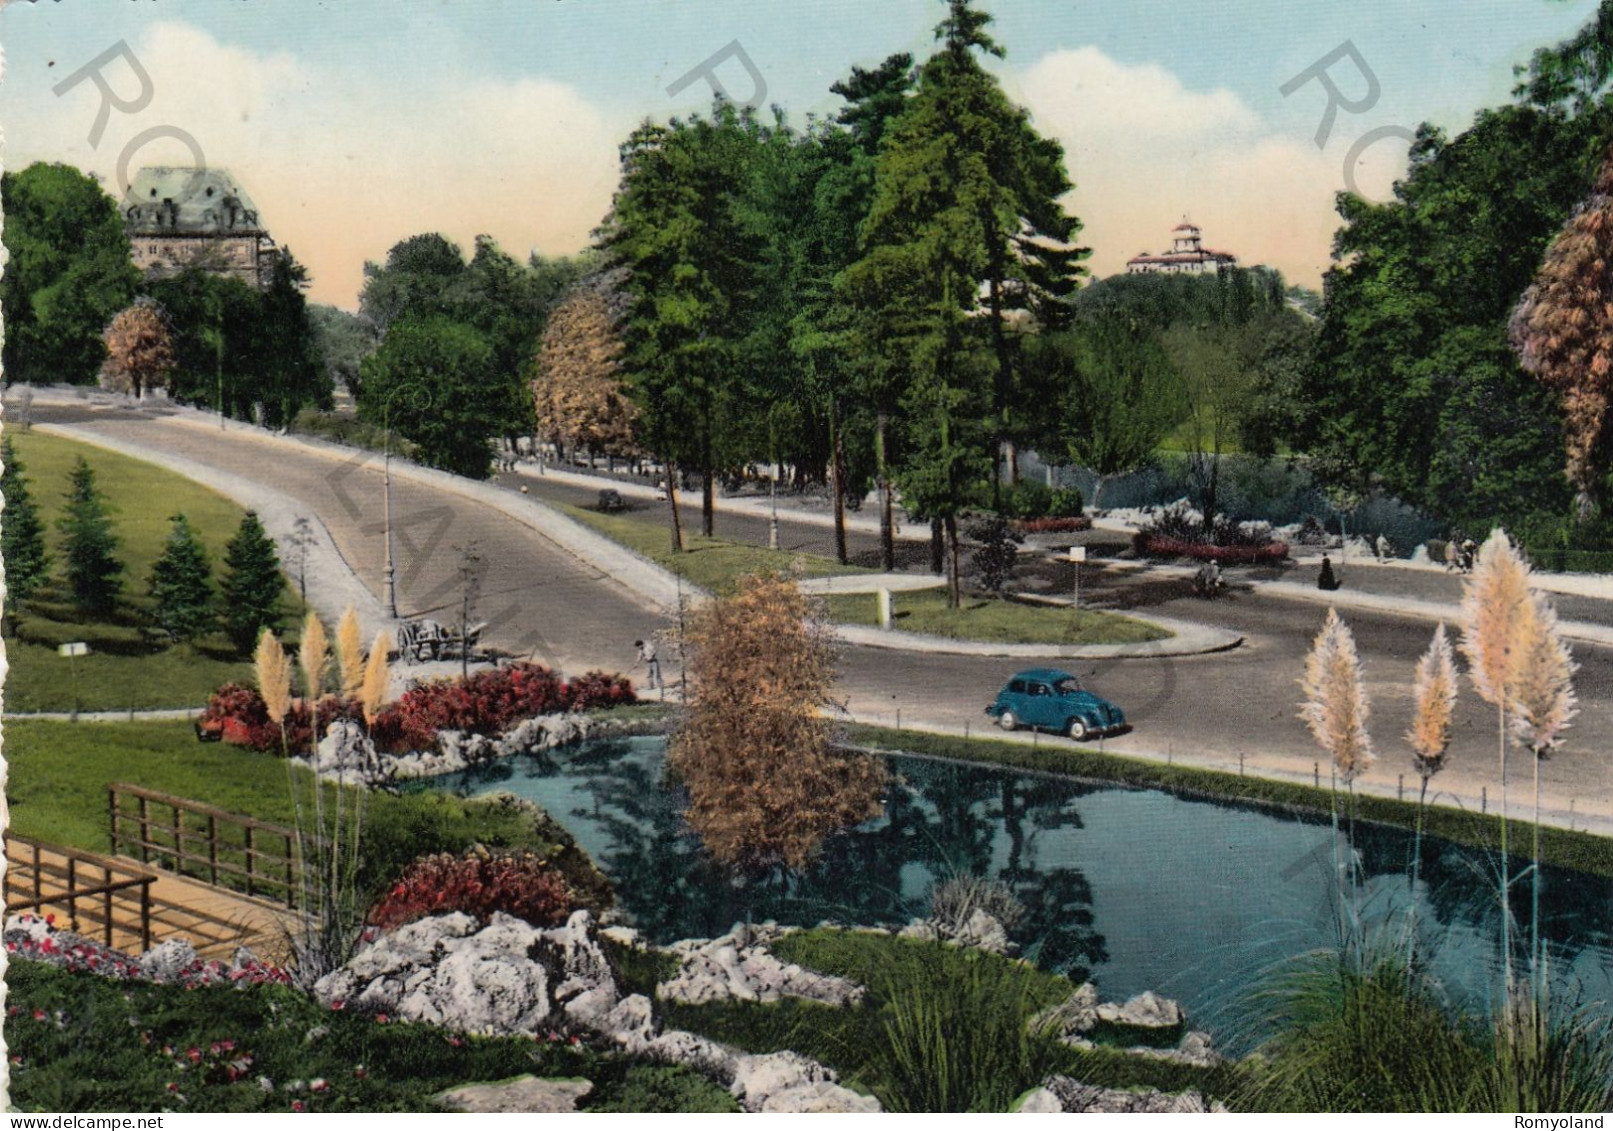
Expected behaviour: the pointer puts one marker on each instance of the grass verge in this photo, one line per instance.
(711, 563)
(999, 620)
(84, 1043)
(129, 665)
(59, 772)
(1580, 851)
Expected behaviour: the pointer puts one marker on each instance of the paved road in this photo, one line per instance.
(1205, 709)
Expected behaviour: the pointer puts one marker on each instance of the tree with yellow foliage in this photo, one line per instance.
(756, 755)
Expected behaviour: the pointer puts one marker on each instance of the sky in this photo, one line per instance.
(353, 124)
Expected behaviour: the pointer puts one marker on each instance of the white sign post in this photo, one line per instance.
(73, 651)
(1078, 554)
(886, 609)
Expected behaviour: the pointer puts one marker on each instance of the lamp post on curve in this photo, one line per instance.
(422, 402)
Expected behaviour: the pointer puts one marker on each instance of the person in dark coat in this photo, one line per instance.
(1328, 579)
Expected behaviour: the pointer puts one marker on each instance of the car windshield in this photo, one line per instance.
(1065, 686)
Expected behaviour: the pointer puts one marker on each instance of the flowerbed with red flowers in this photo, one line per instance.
(28, 936)
(1164, 546)
(522, 884)
(1053, 525)
(488, 703)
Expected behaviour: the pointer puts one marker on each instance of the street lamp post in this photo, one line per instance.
(424, 402)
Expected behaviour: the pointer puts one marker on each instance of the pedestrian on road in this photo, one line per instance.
(1385, 551)
(651, 662)
(1328, 580)
(1453, 557)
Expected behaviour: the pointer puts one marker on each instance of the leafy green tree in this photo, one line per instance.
(342, 342)
(411, 282)
(67, 273)
(1418, 303)
(434, 380)
(1109, 395)
(212, 320)
(181, 584)
(677, 229)
(1032, 264)
(253, 584)
(88, 544)
(282, 373)
(22, 534)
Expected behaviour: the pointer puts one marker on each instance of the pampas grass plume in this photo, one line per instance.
(314, 656)
(274, 676)
(1434, 692)
(1495, 597)
(1542, 679)
(1335, 706)
(377, 678)
(350, 653)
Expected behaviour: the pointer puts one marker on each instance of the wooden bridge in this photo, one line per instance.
(181, 870)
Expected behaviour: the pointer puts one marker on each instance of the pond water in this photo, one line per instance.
(1138, 889)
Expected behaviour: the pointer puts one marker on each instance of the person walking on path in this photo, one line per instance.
(652, 664)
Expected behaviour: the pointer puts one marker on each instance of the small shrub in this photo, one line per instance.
(1066, 502)
(522, 884)
(999, 548)
(595, 690)
(953, 901)
(1028, 499)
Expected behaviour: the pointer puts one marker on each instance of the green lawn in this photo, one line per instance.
(994, 619)
(129, 665)
(715, 565)
(59, 771)
(711, 563)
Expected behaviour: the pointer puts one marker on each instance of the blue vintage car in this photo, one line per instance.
(1048, 699)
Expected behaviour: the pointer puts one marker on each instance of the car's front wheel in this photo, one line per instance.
(1007, 721)
(1078, 728)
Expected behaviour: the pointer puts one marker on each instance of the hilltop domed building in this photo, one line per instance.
(1188, 256)
(178, 217)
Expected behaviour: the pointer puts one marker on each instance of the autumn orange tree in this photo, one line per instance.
(140, 350)
(765, 784)
(578, 392)
(1563, 334)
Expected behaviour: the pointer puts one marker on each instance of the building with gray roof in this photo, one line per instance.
(179, 216)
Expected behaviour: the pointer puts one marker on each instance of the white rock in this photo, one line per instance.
(1040, 1101)
(164, 961)
(1145, 1011)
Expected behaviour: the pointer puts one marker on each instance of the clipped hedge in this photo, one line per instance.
(1053, 525)
(1164, 546)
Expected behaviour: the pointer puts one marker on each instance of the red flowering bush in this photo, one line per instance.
(522, 884)
(1053, 525)
(593, 690)
(487, 703)
(1164, 546)
(239, 716)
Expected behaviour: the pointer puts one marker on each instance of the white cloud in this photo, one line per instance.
(342, 166)
(1143, 150)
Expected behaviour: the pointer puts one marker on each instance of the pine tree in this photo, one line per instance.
(253, 586)
(22, 534)
(93, 569)
(181, 584)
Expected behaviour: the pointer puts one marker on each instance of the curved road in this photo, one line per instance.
(543, 601)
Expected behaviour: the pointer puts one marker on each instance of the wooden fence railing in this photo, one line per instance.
(108, 893)
(226, 849)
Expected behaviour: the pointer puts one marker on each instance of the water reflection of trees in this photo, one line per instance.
(944, 819)
(939, 820)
